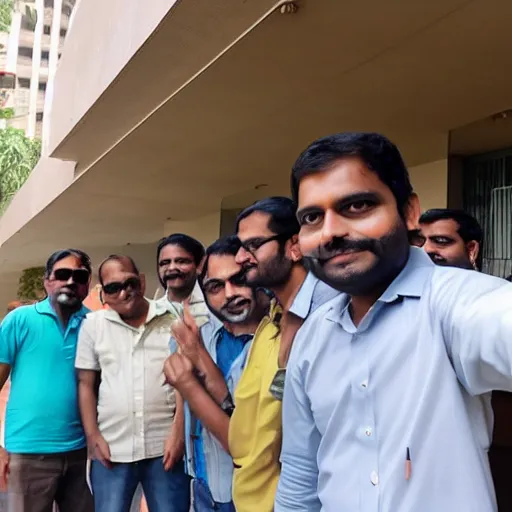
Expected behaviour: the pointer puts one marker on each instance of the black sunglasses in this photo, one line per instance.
(116, 287)
(79, 275)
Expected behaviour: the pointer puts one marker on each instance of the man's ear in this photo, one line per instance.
(412, 212)
(293, 250)
(473, 248)
(201, 265)
(142, 278)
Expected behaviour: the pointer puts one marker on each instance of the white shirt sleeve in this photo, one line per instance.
(86, 355)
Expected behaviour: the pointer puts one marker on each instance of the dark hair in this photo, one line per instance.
(117, 257)
(227, 246)
(282, 212)
(187, 243)
(377, 152)
(469, 228)
(84, 259)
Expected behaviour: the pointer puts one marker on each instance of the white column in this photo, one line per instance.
(52, 68)
(36, 66)
(13, 42)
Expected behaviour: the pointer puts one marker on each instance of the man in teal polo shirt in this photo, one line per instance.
(45, 454)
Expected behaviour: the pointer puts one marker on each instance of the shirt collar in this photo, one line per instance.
(302, 303)
(45, 307)
(155, 309)
(411, 280)
(197, 294)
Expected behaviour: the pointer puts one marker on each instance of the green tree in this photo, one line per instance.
(6, 8)
(18, 156)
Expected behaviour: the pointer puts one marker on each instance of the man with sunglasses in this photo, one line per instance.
(46, 453)
(206, 370)
(128, 420)
(271, 258)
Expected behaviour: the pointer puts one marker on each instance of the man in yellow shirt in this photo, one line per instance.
(268, 232)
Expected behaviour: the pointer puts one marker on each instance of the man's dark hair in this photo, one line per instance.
(117, 257)
(187, 243)
(227, 246)
(378, 153)
(84, 259)
(282, 212)
(469, 227)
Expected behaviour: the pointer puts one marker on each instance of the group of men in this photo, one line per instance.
(314, 360)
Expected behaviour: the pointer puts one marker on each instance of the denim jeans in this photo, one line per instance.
(165, 491)
(203, 499)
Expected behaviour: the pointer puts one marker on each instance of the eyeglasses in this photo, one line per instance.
(214, 286)
(253, 244)
(79, 275)
(116, 287)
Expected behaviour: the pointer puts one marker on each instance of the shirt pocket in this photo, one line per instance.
(107, 357)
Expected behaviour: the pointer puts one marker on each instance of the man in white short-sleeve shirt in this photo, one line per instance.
(129, 418)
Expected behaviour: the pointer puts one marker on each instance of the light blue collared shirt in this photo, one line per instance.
(311, 295)
(416, 373)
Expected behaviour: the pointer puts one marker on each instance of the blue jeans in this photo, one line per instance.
(165, 491)
(203, 499)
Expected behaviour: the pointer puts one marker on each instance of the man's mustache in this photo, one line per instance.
(342, 245)
(173, 275)
(240, 301)
(68, 289)
(437, 259)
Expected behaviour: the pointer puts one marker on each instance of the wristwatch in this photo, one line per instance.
(227, 405)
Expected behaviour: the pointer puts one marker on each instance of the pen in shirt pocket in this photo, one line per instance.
(408, 464)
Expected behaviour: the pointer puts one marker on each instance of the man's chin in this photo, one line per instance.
(66, 300)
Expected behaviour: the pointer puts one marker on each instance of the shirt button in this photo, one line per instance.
(368, 431)
(364, 384)
(374, 478)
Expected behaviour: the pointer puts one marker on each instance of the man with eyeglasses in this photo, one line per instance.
(271, 258)
(129, 417)
(46, 455)
(207, 368)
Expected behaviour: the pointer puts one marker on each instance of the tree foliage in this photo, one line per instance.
(31, 285)
(18, 156)
(6, 8)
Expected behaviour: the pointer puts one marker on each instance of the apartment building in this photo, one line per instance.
(29, 61)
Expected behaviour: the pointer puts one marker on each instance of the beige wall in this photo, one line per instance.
(430, 182)
(206, 229)
(112, 31)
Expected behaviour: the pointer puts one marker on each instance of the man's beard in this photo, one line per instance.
(390, 251)
(66, 300)
(272, 274)
(233, 318)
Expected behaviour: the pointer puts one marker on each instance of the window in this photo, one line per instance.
(42, 86)
(47, 30)
(24, 83)
(488, 197)
(63, 32)
(39, 116)
(25, 51)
